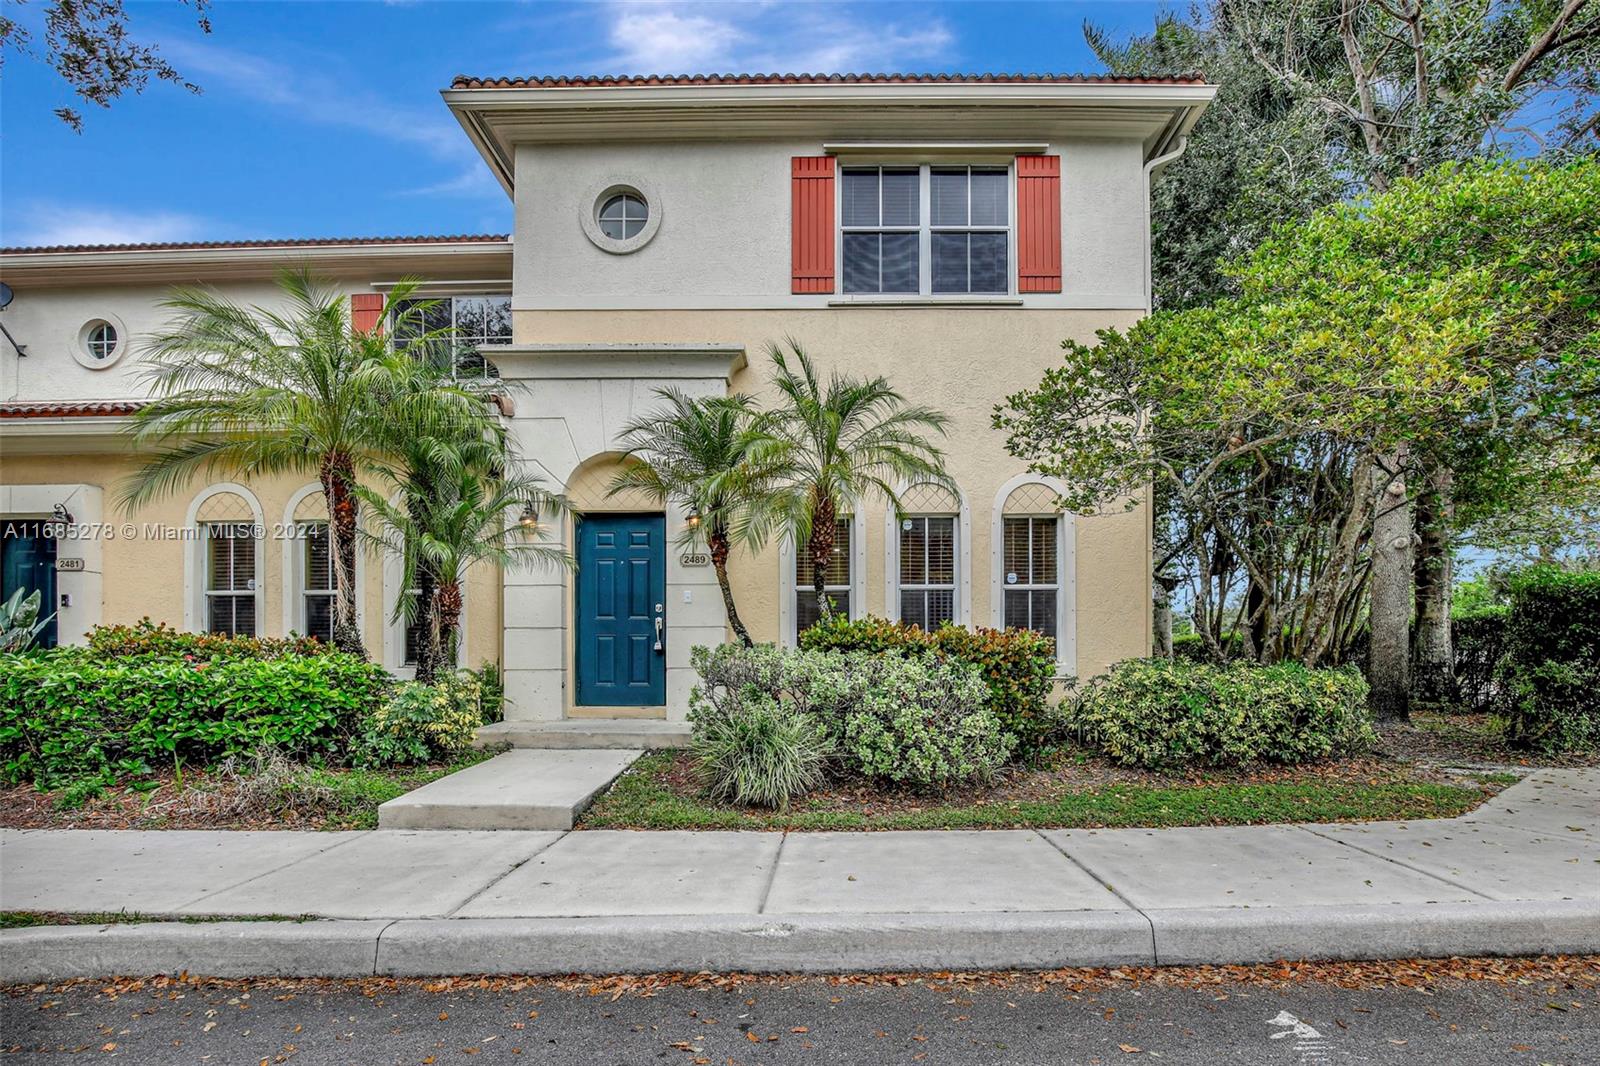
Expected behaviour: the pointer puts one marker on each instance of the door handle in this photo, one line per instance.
(659, 646)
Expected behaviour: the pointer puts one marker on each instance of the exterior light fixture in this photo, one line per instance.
(530, 518)
(693, 520)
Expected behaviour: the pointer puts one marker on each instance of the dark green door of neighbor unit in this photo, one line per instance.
(28, 562)
(621, 605)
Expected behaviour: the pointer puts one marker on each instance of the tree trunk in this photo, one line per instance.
(338, 481)
(717, 540)
(449, 604)
(819, 546)
(1389, 618)
(1433, 657)
(1161, 591)
(430, 654)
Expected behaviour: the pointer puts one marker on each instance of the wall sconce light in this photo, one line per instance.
(530, 518)
(693, 520)
(62, 516)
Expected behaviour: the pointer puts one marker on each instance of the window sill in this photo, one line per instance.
(926, 301)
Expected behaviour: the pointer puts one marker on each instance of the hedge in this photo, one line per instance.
(1478, 638)
(69, 715)
(1018, 666)
(157, 640)
(1550, 672)
(1164, 713)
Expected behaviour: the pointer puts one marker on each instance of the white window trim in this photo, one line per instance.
(891, 558)
(294, 572)
(788, 556)
(1066, 569)
(194, 559)
(924, 293)
(394, 629)
(79, 345)
(603, 190)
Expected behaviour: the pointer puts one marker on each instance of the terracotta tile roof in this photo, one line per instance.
(286, 242)
(589, 81)
(67, 409)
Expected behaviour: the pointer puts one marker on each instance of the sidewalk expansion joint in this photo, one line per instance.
(560, 836)
(777, 857)
(1155, 955)
(1397, 862)
(377, 941)
(350, 838)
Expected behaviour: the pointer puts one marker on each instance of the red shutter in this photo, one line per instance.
(1038, 223)
(811, 240)
(366, 308)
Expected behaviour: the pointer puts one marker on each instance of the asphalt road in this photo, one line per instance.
(806, 1021)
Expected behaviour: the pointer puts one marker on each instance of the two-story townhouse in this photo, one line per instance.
(944, 231)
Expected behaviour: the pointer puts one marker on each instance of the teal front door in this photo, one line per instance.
(28, 562)
(621, 611)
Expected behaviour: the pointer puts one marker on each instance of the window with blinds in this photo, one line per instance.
(939, 230)
(1032, 580)
(231, 579)
(836, 581)
(928, 570)
(316, 594)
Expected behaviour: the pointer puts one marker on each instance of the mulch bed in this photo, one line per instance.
(1464, 740)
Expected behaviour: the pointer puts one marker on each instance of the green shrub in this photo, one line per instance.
(1160, 713)
(1478, 638)
(493, 682)
(1550, 673)
(1018, 666)
(157, 640)
(751, 749)
(915, 720)
(423, 723)
(67, 715)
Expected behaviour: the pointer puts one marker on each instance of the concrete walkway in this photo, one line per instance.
(1520, 875)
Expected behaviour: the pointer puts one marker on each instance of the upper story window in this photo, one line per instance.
(930, 229)
(623, 216)
(476, 320)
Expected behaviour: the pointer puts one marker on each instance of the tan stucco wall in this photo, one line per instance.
(960, 360)
(144, 574)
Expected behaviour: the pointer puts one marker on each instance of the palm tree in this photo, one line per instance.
(832, 446)
(259, 392)
(698, 452)
(452, 511)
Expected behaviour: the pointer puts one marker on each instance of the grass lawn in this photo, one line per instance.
(281, 796)
(659, 792)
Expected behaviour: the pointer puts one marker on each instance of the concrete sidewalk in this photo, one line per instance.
(1520, 875)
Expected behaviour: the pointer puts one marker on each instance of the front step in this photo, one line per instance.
(514, 790)
(593, 733)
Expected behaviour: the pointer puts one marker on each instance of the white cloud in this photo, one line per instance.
(45, 223)
(648, 37)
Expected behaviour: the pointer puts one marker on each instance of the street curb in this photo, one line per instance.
(215, 949)
(1224, 936)
(797, 943)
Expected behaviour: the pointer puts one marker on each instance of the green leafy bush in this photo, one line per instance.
(157, 640)
(914, 720)
(1551, 669)
(66, 714)
(1478, 638)
(422, 723)
(1160, 713)
(1018, 666)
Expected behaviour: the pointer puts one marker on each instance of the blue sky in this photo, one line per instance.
(324, 119)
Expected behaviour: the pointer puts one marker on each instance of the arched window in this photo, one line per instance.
(843, 580)
(1034, 573)
(226, 532)
(928, 565)
(308, 566)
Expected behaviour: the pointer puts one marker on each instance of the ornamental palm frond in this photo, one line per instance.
(698, 452)
(832, 446)
(257, 391)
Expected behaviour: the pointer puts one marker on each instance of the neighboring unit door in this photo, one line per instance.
(29, 563)
(621, 605)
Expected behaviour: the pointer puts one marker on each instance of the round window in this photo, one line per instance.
(623, 216)
(102, 341)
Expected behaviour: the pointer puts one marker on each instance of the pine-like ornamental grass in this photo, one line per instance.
(757, 752)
